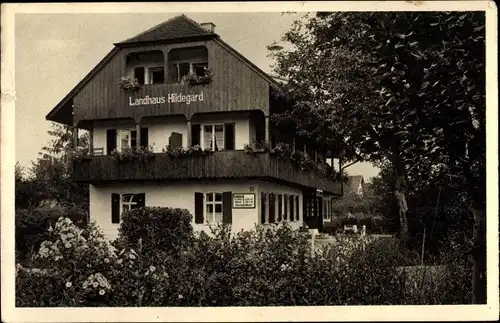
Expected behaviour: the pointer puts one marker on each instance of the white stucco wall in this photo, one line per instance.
(181, 195)
(178, 194)
(160, 129)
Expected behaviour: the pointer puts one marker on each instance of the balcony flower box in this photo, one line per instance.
(128, 83)
(193, 79)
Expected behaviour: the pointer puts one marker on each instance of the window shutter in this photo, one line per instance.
(198, 207)
(229, 136)
(175, 140)
(144, 137)
(227, 207)
(139, 74)
(280, 208)
(115, 208)
(133, 139)
(195, 134)
(292, 208)
(141, 199)
(297, 217)
(110, 140)
(263, 207)
(272, 207)
(286, 207)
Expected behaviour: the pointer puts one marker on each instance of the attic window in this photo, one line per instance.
(146, 67)
(183, 61)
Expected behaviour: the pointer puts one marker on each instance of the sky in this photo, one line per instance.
(53, 52)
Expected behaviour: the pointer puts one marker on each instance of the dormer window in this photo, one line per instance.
(147, 67)
(184, 61)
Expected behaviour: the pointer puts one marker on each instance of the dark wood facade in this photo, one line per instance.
(235, 86)
(234, 164)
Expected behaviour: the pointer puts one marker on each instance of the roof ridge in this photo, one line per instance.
(159, 25)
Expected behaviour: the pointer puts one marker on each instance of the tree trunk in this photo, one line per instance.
(479, 256)
(402, 210)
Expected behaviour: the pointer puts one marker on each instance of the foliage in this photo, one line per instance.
(156, 229)
(50, 177)
(195, 150)
(272, 266)
(194, 79)
(80, 153)
(31, 227)
(128, 83)
(142, 154)
(392, 88)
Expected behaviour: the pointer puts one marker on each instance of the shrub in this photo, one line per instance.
(156, 229)
(31, 227)
(268, 266)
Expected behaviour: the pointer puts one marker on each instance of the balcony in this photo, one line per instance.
(234, 164)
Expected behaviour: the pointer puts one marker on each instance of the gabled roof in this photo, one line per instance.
(179, 28)
(175, 28)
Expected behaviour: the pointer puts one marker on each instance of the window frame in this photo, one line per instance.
(191, 67)
(212, 140)
(119, 142)
(214, 202)
(148, 74)
(130, 202)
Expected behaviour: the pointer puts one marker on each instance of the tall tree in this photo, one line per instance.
(50, 176)
(402, 88)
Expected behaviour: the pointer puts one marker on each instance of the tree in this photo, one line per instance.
(405, 89)
(50, 177)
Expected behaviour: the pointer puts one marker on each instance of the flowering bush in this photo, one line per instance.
(79, 154)
(268, 266)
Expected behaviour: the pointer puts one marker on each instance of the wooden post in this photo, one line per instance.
(189, 135)
(75, 137)
(91, 140)
(138, 135)
(267, 142)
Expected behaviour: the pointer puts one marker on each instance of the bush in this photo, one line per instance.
(268, 266)
(156, 229)
(31, 227)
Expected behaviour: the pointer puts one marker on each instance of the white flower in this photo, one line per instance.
(102, 292)
(68, 284)
(95, 284)
(180, 296)
(152, 268)
(106, 260)
(132, 256)
(119, 261)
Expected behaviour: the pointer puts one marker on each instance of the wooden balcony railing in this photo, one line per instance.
(234, 164)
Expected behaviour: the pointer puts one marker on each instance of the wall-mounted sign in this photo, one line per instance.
(243, 200)
(170, 98)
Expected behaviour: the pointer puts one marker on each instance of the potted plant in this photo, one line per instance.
(129, 83)
(194, 79)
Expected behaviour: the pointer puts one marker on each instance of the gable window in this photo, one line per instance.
(147, 67)
(183, 61)
(155, 75)
(213, 208)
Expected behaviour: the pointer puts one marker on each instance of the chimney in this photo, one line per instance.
(208, 26)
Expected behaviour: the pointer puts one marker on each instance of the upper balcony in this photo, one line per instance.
(234, 164)
(171, 79)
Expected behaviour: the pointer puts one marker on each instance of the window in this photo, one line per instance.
(213, 137)
(213, 208)
(126, 139)
(155, 75)
(183, 61)
(121, 203)
(128, 202)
